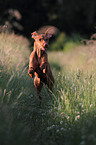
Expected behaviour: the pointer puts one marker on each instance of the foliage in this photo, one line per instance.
(72, 42)
(59, 43)
(68, 16)
(65, 43)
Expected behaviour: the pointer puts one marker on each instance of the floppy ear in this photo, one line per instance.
(51, 31)
(48, 35)
(34, 34)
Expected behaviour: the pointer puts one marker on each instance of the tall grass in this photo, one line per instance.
(13, 51)
(67, 115)
(75, 93)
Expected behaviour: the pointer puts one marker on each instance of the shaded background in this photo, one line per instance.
(26, 16)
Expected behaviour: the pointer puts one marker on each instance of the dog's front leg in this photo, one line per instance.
(44, 63)
(44, 67)
(33, 64)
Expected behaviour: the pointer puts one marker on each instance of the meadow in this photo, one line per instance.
(67, 115)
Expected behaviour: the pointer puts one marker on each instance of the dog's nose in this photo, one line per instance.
(46, 45)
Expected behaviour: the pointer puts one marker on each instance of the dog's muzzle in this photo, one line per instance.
(45, 46)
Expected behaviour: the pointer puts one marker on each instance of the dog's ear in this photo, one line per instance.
(34, 34)
(48, 35)
(51, 31)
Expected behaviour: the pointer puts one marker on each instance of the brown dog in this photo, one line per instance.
(38, 62)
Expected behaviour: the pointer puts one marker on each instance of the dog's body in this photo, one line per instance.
(38, 63)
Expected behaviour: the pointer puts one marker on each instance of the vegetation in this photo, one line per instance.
(65, 43)
(67, 115)
(26, 16)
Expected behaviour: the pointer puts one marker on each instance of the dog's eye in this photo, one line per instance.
(40, 39)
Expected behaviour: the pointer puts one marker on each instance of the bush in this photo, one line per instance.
(59, 42)
(65, 43)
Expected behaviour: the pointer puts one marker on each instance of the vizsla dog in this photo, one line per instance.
(38, 62)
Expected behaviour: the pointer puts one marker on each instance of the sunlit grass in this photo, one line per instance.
(75, 94)
(13, 51)
(81, 58)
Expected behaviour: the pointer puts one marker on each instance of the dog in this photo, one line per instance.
(38, 62)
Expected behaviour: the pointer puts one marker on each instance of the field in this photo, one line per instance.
(67, 115)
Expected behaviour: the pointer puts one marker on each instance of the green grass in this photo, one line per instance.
(67, 116)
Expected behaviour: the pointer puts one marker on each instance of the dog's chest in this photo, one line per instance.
(42, 58)
(39, 60)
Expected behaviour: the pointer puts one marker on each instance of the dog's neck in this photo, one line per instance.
(37, 49)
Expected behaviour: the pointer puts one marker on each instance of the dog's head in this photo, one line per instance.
(41, 40)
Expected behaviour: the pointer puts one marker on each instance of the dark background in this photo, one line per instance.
(26, 16)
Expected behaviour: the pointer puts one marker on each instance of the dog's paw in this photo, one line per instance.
(44, 71)
(31, 73)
